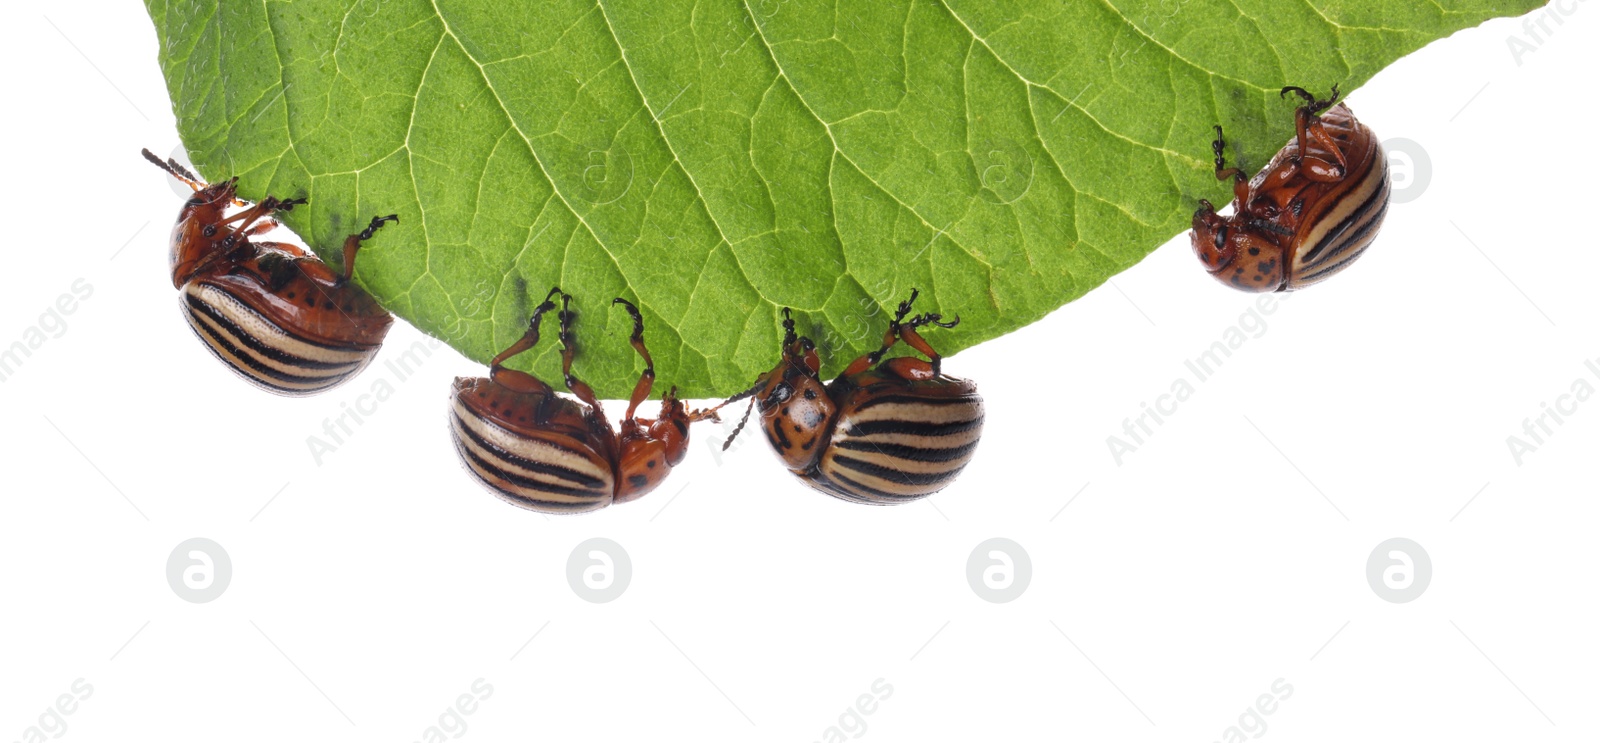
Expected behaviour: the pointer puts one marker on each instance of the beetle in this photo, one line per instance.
(272, 312)
(536, 449)
(882, 432)
(1310, 213)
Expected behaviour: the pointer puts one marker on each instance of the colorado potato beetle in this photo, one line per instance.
(536, 449)
(879, 433)
(274, 313)
(1309, 214)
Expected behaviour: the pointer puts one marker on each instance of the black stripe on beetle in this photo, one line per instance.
(582, 482)
(896, 475)
(912, 428)
(911, 453)
(257, 372)
(260, 345)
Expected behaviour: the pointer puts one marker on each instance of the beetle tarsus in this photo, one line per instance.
(569, 349)
(377, 222)
(641, 389)
(932, 318)
(1222, 170)
(788, 328)
(1313, 105)
(352, 244)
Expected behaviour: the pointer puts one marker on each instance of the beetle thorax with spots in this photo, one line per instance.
(796, 412)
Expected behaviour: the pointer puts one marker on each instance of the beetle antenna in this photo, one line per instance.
(740, 427)
(174, 169)
(711, 412)
(187, 172)
(1266, 226)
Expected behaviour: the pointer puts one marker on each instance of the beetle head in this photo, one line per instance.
(214, 197)
(1240, 251)
(1209, 237)
(648, 450)
(672, 428)
(794, 402)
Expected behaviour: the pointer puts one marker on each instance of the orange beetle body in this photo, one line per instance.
(540, 451)
(274, 313)
(1310, 213)
(880, 433)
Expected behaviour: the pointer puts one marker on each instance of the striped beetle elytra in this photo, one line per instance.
(880, 433)
(272, 312)
(1310, 213)
(538, 450)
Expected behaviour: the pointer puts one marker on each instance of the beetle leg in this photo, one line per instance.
(269, 205)
(249, 216)
(293, 250)
(1308, 126)
(1240, 186)
(1313, 105)
(910, 368)
(788, 328)
(568, 350)
(915, 369)
(353, 243)
(865, 361)
(260, 228)
(908, 333)
(1299, 91)
(265, 209)
(890, 335)
(1286, 171)
(530, 338)
(641, 390)
(519, 380)
(1317, 168)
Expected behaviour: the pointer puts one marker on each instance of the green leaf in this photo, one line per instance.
(716, 161)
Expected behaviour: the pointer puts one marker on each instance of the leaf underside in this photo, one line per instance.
(715, 161)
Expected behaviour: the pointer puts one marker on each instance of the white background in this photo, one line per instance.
(1168, 592)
